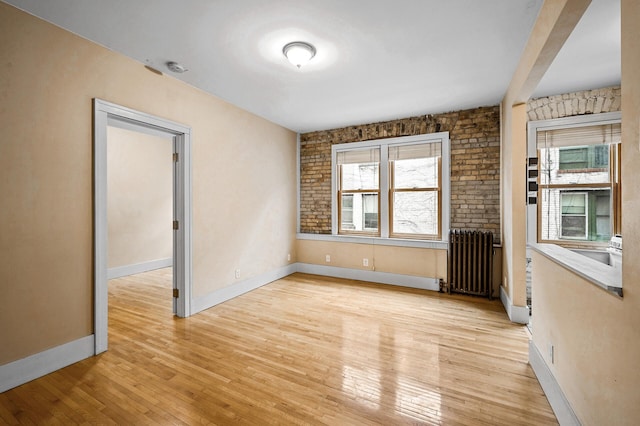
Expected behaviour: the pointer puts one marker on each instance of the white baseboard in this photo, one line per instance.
(561, 407)
(138, 268)
(239, 288)
(518, 314)
(372, 276)
(24, 370)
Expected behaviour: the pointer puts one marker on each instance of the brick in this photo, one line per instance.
(475, 158)
(607, 99)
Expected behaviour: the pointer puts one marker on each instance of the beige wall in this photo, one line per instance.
(596, 335)
(244, 179)
(419, 262)
(399, 260)
(139, 197)
(596, 343)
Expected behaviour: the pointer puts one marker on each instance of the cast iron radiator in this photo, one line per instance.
(470, 262)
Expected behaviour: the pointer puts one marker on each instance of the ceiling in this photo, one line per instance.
(376, 60)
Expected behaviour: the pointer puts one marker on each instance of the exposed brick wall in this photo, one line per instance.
(475, 165)
(594, 101)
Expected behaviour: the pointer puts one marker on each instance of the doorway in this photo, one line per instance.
(139, 202)
(110, 115)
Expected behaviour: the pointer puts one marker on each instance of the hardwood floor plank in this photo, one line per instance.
(303, 350)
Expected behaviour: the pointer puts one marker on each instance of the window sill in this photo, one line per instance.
(604, 276)
(397, 242)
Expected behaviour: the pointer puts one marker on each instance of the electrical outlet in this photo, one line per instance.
(289, 257)
(237, 273)
(327, 258)
(365, 262)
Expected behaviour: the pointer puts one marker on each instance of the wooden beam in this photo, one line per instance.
(556, 21)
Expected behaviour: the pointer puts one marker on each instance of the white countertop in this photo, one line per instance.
(604, 276)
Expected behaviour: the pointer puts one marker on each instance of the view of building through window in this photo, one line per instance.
(414, 193)
(578, 181)
(359, 184)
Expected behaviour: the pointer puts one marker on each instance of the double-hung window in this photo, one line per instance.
(579, 183)
(392, 187)
(414, 190)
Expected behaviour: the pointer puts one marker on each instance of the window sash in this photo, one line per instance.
(364, 191)
(364, 231)
(437, 189)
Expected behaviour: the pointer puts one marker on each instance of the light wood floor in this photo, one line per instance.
(302, 350)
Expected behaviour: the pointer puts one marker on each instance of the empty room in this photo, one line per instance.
(341, 213)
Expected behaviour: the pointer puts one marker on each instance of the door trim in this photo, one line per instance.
(109, 114)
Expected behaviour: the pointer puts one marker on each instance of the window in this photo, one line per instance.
(359, 190)
(579, 183)
(392, 187)
(415, 189)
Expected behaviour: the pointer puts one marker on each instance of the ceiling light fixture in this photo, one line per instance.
(299, 52)
(176, 67)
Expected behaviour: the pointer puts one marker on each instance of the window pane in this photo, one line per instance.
(603, 211)
(360, 176)
(416, 173)
(574, 215)
(573, 203)
(347, 211)
(359, 212)
(370, 211)
(550, 210)
(415, 212)
(574, 226)
(579, 165)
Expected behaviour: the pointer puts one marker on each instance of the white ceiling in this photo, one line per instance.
(376, 60)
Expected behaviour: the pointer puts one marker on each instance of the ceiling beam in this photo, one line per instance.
(556, 21)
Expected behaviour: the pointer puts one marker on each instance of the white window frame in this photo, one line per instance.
(384, 144)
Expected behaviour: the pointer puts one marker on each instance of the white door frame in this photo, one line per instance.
(109, 114)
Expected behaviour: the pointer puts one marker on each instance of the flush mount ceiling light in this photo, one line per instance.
(176, 67)
(299, 52)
